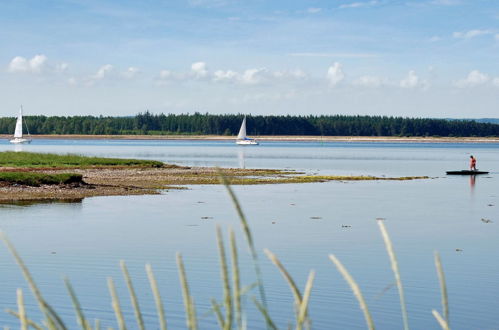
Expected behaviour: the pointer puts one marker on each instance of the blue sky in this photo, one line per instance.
(428, 58)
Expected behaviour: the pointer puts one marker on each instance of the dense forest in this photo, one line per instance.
(197, 123)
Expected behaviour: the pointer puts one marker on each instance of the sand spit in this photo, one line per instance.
(276, 138)
(112, 181)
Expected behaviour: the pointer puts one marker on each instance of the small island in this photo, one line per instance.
(26, 176)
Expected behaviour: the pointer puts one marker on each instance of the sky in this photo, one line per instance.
(427, 58)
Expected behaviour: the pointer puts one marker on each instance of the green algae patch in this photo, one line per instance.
(46, 160)
(38, 179)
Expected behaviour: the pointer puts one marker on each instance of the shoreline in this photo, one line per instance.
(272, 138)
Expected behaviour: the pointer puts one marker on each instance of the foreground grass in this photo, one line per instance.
(228, 311)
(32, 159)
(37, 179)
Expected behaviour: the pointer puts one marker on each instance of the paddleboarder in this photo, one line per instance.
(472, 163)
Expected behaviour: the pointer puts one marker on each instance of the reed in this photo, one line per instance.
(133, 296)
(395, 269)
(443, 287)
(115, 303)
(157, 297)
(356, 290)
(189, 307)
(77, 307)
(228, 313)
(247, 235)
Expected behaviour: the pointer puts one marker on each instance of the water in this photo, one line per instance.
(301, 223)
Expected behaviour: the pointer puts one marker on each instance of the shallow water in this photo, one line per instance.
(302, 224)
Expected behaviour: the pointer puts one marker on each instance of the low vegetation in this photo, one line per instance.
(228, 311)
(32, 159)
(37, 179)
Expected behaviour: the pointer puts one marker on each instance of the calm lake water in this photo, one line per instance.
(301, 223)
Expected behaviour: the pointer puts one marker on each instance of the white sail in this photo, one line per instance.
(242, 130)
(18, 133)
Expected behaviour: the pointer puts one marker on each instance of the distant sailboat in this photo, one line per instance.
(18, 133)
(242, 138)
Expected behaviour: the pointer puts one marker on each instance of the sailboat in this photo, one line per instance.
(18, 133)
(242, 138)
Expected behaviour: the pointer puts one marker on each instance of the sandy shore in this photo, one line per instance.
(274, 138)
(112, 181)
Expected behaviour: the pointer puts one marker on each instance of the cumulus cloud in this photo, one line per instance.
(36, 64)
(368, 81)
(131, 72)
(335, 74)
(103, 72)
(474, 78)
(412, 80)
(495, 82)
(227, 76)
(199, 70)
(471, 34)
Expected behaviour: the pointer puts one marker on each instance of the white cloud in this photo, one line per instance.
(359, 4)
(471, 34)
(254, 76)
(21, 64)
(335, 74)
(474, 78)
(412, 80)
(435, 39)
(103, 72)
(368, 81)
(314, 10)
(495, 82)
(131, 72)
(228, 76)
(198, 69)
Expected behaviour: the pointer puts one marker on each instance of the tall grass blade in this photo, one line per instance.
(302, 312)
(218, 313)
(248, 235)
(31, 323)
(356, 290)
(443, 324)
(133, 296)
(236, 282)
(395, 268)
(76, 304)
(116, 304)
(22, 311)
(265, 313)
(97, 324)
(190, 309)
(157, 297)
(53, 320)
(288, 278)
(443, 287)
(225, 280)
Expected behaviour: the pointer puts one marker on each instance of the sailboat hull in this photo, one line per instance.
(20, 140)
(246, 142)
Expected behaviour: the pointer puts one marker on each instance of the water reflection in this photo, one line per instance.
(240, 157)
(18, 147)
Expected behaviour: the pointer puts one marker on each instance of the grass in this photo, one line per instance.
(228, 312)
(32, 159)
(37, 179)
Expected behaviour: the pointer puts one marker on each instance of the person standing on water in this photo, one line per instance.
(472, 163)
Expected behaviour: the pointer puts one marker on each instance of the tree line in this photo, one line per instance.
(228, 124)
